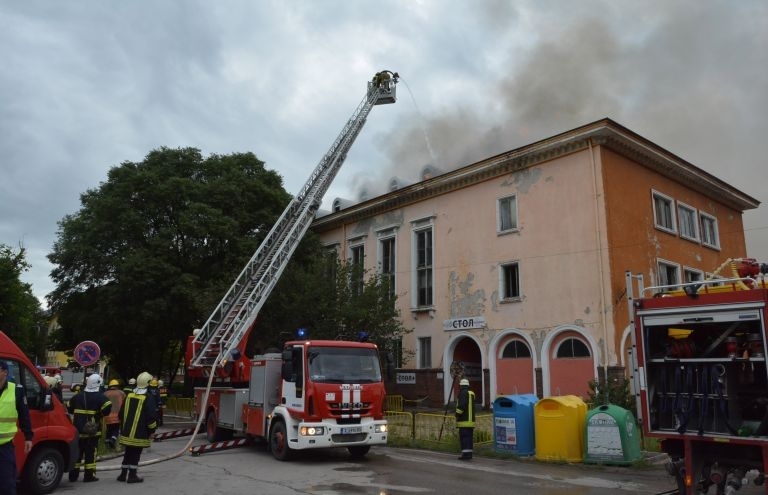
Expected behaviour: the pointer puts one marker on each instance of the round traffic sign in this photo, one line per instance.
(87, 353)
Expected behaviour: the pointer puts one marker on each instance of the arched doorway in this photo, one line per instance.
(514, 367)
(571, 363)
(467, 352)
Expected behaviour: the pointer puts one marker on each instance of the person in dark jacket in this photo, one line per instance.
(13, 408)
(89, 406)
(138, 423)
(465, 419)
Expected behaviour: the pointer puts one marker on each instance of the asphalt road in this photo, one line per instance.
(385, 471)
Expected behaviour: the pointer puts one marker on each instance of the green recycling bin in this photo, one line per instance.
(612, 436)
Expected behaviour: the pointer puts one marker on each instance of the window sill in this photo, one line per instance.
(509, 300)
(423, 310)
(507, 232)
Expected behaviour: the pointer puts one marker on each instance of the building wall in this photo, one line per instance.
(585, 217)
(636, 244)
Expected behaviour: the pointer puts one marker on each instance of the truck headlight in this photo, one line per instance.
(311, 431)
(380, 429)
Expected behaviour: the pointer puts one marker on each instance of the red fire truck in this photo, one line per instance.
(313, 393)
(699, 375)
(54, 446)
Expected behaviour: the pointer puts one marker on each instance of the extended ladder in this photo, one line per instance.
(231, 321)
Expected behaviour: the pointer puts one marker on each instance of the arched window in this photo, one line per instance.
(572, 348)
(516, 349)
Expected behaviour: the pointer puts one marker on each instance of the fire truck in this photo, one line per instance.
(313, 393)
(699, 375)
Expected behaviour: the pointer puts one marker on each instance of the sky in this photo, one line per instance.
(89, 84)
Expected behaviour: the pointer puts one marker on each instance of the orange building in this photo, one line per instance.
(515, 266)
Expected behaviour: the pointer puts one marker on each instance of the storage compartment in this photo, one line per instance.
(705, 370)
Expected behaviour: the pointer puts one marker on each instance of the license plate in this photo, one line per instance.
(351, 429)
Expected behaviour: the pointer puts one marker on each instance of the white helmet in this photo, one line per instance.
(93, 383)
(142, 381)
(132, 381)
(464, 382)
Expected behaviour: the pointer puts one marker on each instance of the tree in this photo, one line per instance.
(317, 293)
(152, 249)
(21, 316)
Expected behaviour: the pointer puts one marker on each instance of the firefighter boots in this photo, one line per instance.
(90, 475)
(74, 474)
(133, 477)
(123, 474)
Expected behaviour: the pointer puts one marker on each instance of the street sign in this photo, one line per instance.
(87, 353)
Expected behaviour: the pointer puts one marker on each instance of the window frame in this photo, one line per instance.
(715, 230)
(670, 203)
(570, 339)
(694, 221)
(666, 264)
(388, 264)
(513, 214)
(503, 292)
(355, 247)
(418, 228)
(425, 352)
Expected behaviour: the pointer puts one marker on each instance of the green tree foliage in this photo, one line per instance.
(614, 391)
(21, 316)
(152, 250)
(331, 299)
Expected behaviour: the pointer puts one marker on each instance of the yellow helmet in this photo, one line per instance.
(114, 383)
(153, 382)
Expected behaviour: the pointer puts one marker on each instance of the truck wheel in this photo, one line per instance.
(43, 471)
(278, 442)
(212, 432)
(358, 451)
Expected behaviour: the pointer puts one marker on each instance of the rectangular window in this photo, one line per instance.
(423, 241)
(507, 214)
(510, 281)
(692, 275)
(425, 352)
(709, 234)
(663, 212)
(357, 274)
(387, 247)
(669, 274)
(689, 228)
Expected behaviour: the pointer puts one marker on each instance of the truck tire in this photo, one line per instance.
(358, 451)
(212, 432)
(278, 442)
(43, 471)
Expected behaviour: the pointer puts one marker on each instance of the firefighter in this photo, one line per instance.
(465, 418)
(87, 408)
(137, 425)
(163, 399)
(154, 390)
(131, 385)
(13, 410)
(116, 397)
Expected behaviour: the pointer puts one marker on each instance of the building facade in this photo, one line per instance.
(514, 267)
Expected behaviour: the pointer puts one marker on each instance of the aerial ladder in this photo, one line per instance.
(223, 337)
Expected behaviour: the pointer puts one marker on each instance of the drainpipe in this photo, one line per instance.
(600, 268)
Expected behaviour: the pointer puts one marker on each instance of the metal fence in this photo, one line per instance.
(436, 427)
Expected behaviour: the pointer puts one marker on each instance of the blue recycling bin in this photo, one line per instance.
(513, 427)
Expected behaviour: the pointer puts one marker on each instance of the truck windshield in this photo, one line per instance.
(344, 365)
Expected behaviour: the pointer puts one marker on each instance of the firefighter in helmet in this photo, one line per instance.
(112, 420)
(465, 418)
(137, 424)
(131, 385)
(87, 408)
(154, 390)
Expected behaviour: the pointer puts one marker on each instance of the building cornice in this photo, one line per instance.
(604, 133)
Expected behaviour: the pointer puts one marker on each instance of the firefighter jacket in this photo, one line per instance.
(465, 408)
(13, 406)
(116, 397)
(88, 406)
(138, 420)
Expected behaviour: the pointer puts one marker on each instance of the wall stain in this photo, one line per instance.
(464, 301)
(523, 179)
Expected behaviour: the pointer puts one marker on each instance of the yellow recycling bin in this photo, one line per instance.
(559, 428)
